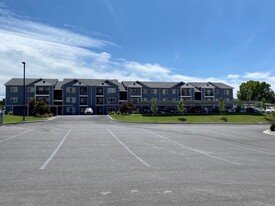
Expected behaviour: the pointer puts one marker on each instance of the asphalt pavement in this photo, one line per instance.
(92, 160)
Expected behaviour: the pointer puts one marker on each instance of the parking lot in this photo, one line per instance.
(91, 160)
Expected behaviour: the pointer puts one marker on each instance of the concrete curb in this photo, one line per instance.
(268, 132)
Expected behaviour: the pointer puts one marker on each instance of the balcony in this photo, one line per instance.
(99, 91)
(211, 94)
(83, 91)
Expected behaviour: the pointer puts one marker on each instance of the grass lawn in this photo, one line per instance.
(236, 118)
(14, 119)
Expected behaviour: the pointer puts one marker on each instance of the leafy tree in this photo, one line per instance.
(255, 91)
(263, 104)
(154, 107)
(221, 106)
(38, 107)
(2, 103)
(126, 107)
(181, 107)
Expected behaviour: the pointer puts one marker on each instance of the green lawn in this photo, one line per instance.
(236, 118)
(14, 119)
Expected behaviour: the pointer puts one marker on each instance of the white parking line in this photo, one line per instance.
(233, 144)
(131, 152)
(55, 151)
(192, 149)
(2, 141)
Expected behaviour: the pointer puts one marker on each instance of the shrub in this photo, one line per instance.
(182, 119)
(272, 127)
(224, 119)
(10, 113)
(118, 113)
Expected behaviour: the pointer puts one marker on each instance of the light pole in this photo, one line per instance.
(24, 92)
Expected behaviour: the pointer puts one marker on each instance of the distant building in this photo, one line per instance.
(72, 96)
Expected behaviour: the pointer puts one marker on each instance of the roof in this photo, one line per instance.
(215, 84)
(152, 84)
(92, 82)
(160, 84)
(28, 81)
(58, 85)
(221, 85)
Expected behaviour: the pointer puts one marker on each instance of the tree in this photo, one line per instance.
(154, 107)
(126, 107)
(38, 107)
(255, 91)
(2, 103)
(221, 106)
(180, 107)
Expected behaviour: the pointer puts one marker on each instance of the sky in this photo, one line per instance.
(229, 41)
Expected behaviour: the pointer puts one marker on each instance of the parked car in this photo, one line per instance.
(88, 111)
(269, 110)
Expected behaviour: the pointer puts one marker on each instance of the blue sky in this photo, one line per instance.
(231, 41)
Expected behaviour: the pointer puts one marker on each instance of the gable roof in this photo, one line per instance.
(152, 84)
(160, 84)
(219, 85)
(28, 81)
(91, 82)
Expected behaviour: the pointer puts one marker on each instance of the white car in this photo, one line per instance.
(269, 110)
(88, 111)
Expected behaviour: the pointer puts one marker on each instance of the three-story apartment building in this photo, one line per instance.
(73, 96)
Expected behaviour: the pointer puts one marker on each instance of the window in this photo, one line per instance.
(175, 99)
(13, 99)
(43, 99)
(111, 90)
(30, 99)
(13, 89)
(154, 91)
(209, 92)
(99, 91)
(164, 91)
(70, 110)
(174, 91)
(70, 99)
(83, 90)
(30, 89)
(111, 109)
(135, 91)
(83, 100)
(144, 91)
(135, 100)
(111, 100)
(227, 92)
(99, 100)
(145, 99)
(70, 90)
(216, 91)
(165, 99)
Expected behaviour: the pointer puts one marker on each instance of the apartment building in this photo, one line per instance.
(72, 96)
(203, 95)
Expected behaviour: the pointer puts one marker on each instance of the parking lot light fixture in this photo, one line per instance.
(24, 91)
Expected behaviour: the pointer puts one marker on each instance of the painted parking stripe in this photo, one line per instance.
(2, 141)
(193, 149)
(130, 151)
(55, 151)
(234, 144)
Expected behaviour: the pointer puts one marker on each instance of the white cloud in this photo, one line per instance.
(233, 76)
(257, 75)
(51, 52)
